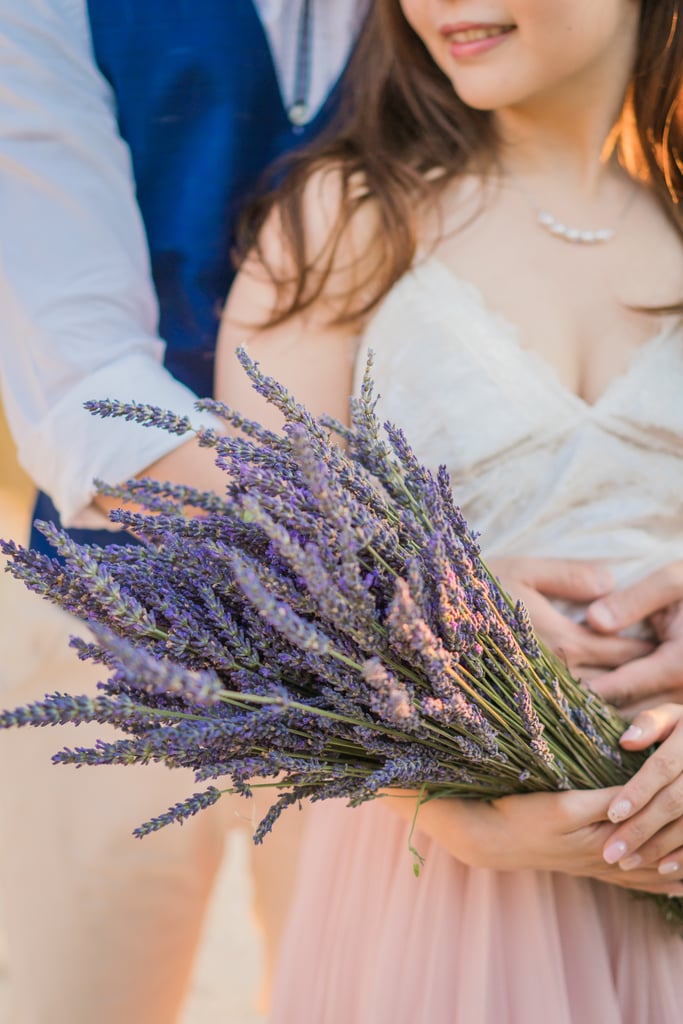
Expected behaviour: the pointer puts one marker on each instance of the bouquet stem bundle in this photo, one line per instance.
(327, 624)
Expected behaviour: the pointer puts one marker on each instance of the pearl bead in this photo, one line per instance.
(560, 230)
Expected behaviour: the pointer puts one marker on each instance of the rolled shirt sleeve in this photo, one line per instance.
(78, 312)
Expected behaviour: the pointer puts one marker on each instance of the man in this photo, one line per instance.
(130, 134)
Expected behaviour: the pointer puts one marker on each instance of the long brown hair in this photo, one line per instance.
(405, 134)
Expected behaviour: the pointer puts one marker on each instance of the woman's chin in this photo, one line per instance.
(488, 96)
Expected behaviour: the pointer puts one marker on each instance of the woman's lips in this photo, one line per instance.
(470, 40)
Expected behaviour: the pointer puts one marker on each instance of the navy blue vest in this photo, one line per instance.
(200, 108)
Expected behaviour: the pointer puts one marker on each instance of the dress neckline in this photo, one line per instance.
(510, 335)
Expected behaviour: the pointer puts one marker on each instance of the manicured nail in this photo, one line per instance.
(620, 810)
(614, 852)
(634, 732)
(629, 863)
(602, 616)
(668, 867)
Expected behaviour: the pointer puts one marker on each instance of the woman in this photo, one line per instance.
(499, 224)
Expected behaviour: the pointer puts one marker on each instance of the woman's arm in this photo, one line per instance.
(312, 359)
(307, 353)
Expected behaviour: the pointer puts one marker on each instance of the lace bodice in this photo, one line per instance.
(536, 469)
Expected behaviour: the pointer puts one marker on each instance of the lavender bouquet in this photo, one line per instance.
(328, 625)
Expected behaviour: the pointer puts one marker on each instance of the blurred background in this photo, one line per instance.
(227, 970)
(16, 497)
(16, 491)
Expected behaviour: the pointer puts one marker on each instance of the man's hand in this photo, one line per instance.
(658, 677)
(535, 581)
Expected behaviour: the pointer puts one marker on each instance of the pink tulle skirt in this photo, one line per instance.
(368, 943)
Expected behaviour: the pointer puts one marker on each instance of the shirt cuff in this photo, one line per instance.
(70, 448)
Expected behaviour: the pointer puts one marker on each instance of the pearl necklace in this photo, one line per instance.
(579, 236)
(560, 230)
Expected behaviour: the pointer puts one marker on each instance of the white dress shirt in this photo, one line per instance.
(78, 312)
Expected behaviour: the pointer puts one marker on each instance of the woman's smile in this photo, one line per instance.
(468, 39)
(500, 54)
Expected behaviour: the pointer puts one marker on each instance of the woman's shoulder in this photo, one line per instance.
(332, 196)
(320, 242)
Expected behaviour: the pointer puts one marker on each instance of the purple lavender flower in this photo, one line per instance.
(142, 671)
(60, 708)
(139, 412)
(277, 614)
(180, 812)
(326, 623)
(532, 724)
(525, 632)
(393, 700)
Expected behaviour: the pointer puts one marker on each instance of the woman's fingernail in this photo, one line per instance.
(629, 863)
(602, 616)
(668, 867)
(614, 852)
(634, 732)
(620, 810)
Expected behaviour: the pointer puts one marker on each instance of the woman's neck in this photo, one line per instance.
(566, 135)
(577, 157)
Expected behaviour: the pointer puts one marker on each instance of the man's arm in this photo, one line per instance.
(78, 313)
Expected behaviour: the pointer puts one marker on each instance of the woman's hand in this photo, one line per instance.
(535, 580)
(650, 805)
(658, 677)
(564, 832)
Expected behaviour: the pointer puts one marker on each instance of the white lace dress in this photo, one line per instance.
(537, 471)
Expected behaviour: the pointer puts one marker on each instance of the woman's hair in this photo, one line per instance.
(403, 134)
